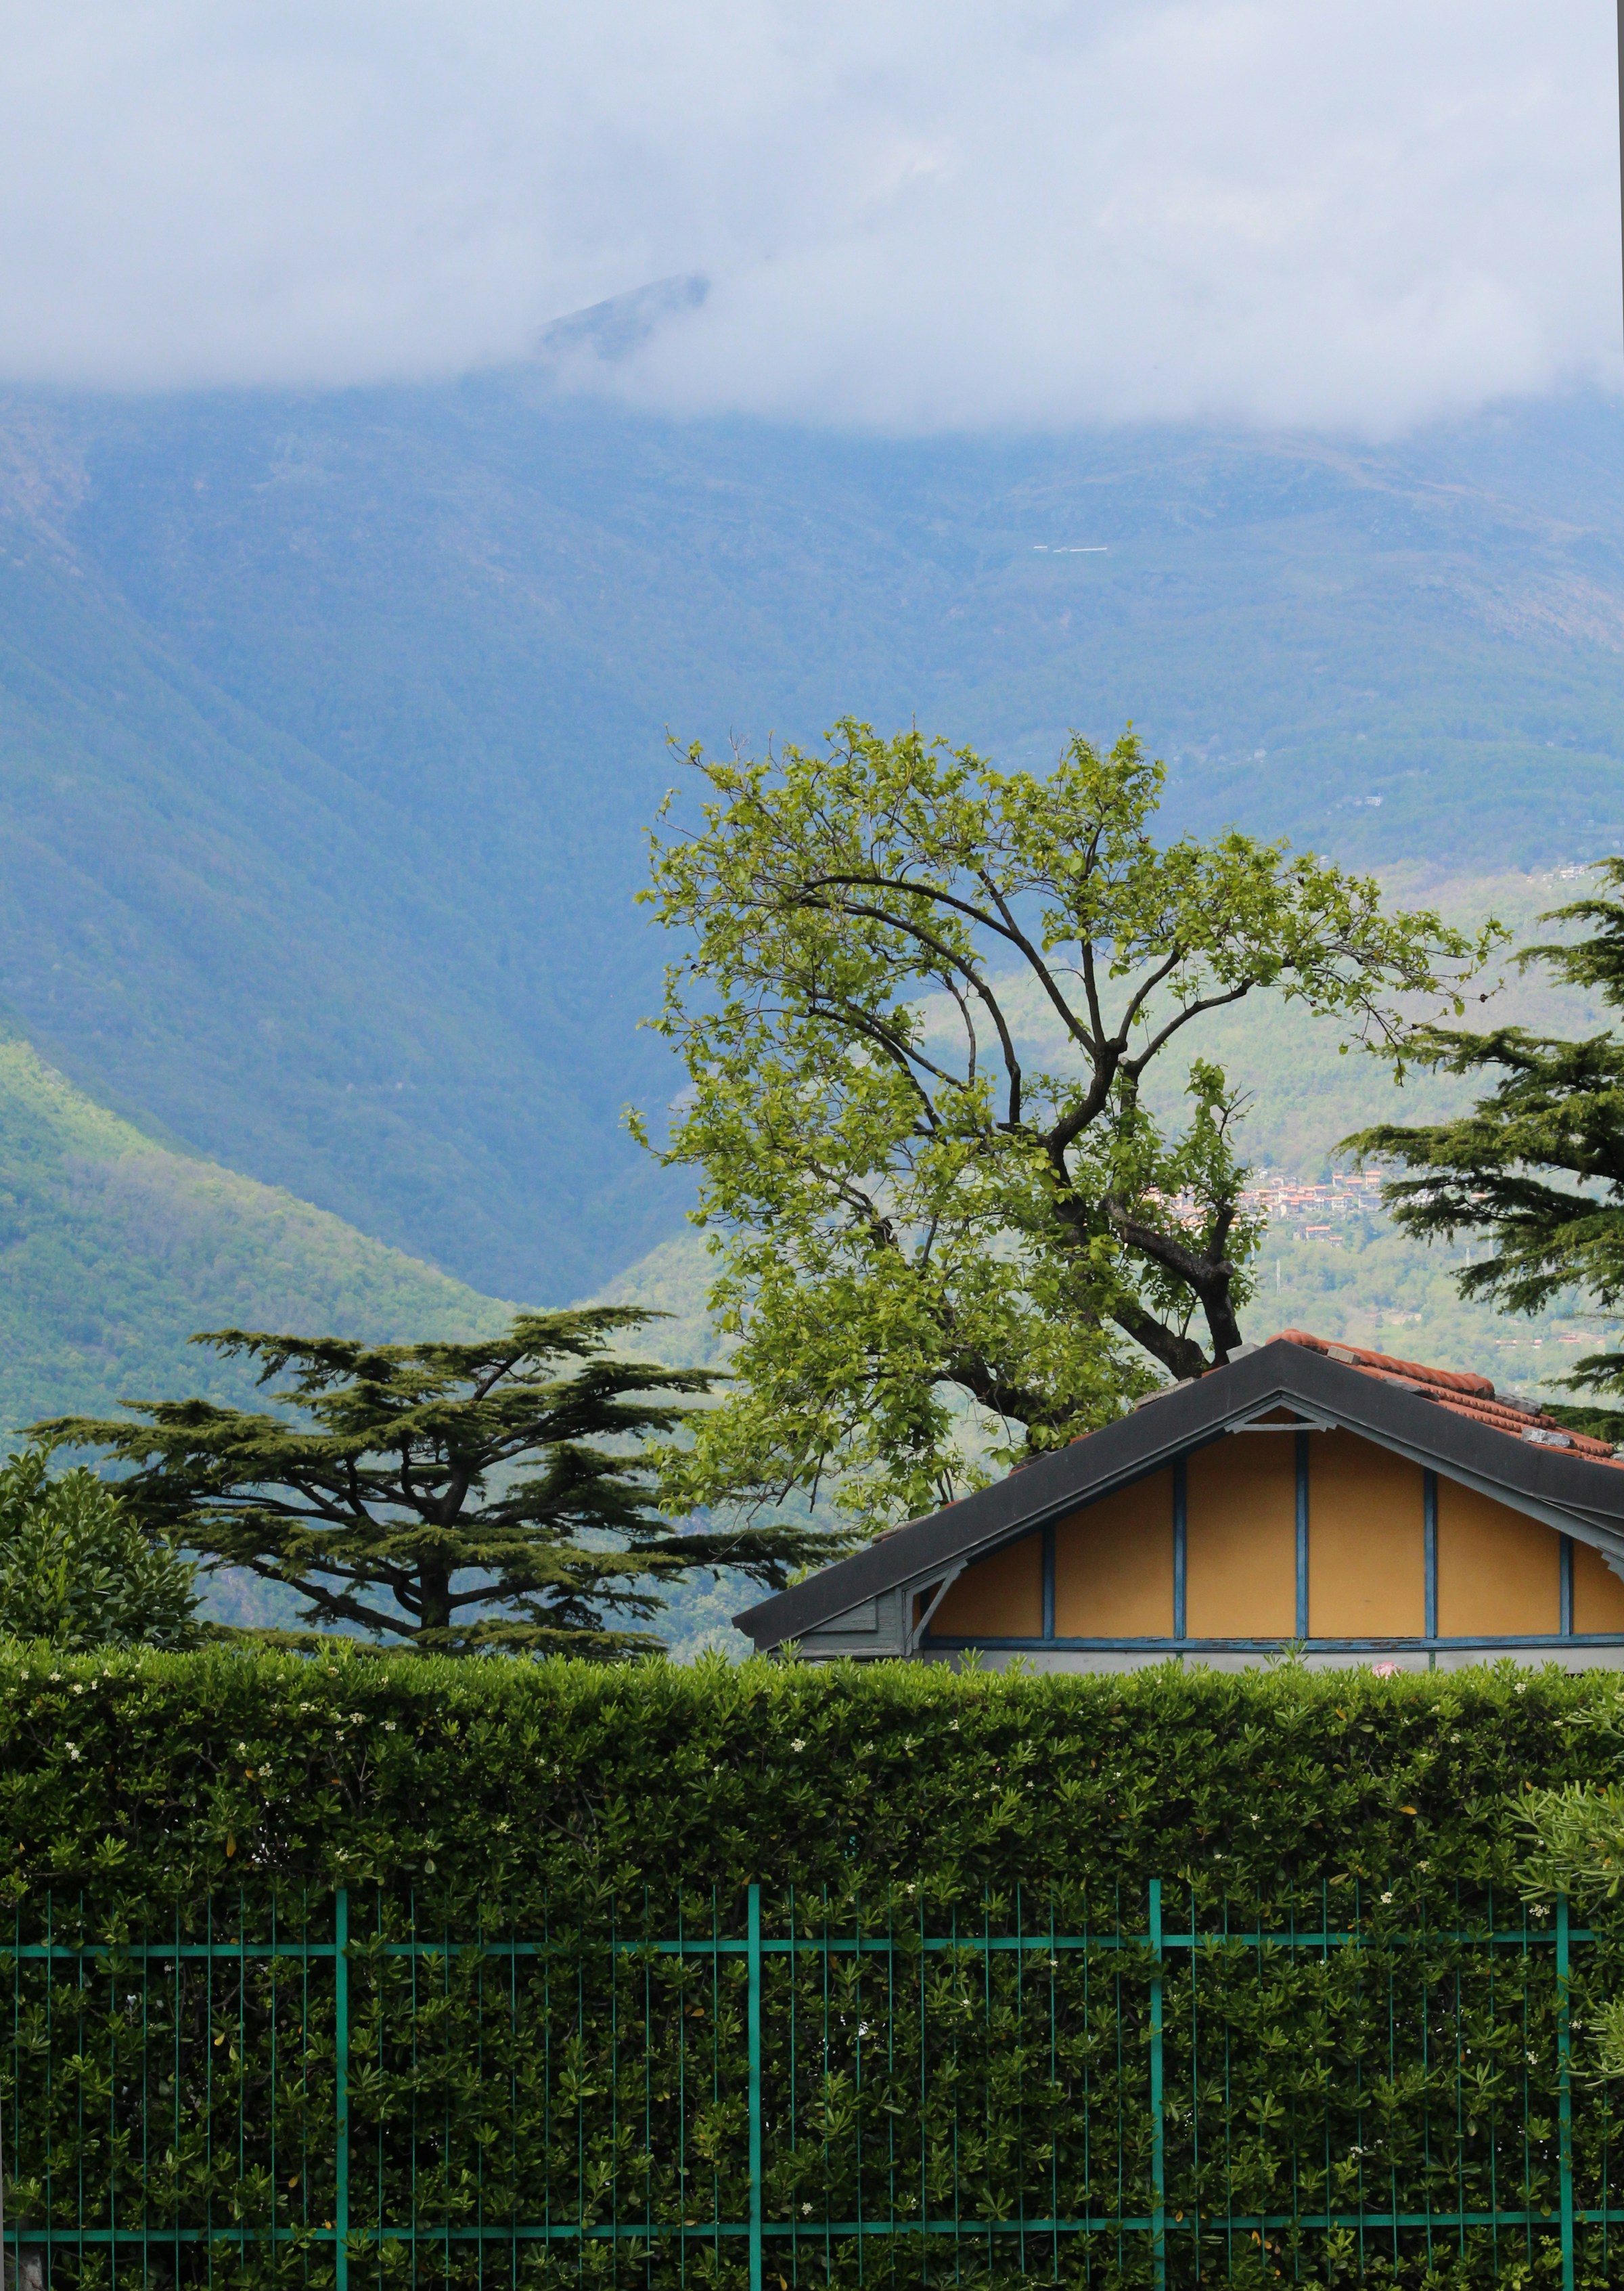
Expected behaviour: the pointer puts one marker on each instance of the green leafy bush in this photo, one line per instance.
(588, 2077)
(75, 1569)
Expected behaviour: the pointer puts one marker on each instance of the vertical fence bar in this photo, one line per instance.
(230, 1955)
(1564, 2079)
(1158, 2130)
(341, 2089)
(754, 1944)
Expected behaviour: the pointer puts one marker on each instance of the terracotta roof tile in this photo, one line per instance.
(1462, 1394)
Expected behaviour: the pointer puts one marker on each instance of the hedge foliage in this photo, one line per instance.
(150, 1778)
(589, 1810)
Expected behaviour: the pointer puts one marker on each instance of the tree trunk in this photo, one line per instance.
(434, 1597)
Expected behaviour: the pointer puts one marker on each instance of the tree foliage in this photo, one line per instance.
(77, 1569)
(918, 1207)
(461, 1496)
(1536, 1166)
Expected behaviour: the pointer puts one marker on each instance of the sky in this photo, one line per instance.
(908, 215)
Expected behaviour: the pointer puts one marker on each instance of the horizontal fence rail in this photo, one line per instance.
(773, 2089)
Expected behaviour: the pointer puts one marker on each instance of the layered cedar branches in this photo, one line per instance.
(459, 1497)
(1536, 1166)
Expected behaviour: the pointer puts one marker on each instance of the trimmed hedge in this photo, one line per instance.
(152, 1779)
(179, 2102)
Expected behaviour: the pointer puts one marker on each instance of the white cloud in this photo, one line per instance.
(1334, 212)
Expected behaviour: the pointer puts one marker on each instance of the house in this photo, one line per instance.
(1362, 1506)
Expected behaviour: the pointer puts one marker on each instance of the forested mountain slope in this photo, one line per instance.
(114, 1250)
(329, 726)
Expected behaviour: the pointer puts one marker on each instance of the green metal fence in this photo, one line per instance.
(775, 2090)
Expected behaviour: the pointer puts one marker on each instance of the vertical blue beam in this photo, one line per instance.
(1158, 2130)
(754, 2034)
(1429, 1541)
(1181, 1518)
(1564, 1619)
(1564, 2070)
(340, 2087)
(1049, 1582)
(1302, 1534)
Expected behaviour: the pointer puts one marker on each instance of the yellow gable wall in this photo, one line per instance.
(1000, 1597)
(1113, 1566)
(1598, 1595)
(1367, 1540)
(1499, 1571)
(1240, 1538)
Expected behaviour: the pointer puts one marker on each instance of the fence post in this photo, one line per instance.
(341, 2088)
(1158, 2143)
(755, 2087)
(1565, 2086)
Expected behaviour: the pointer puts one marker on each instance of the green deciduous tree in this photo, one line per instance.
(916, 1212)
(462, 1496)
(1536, 1166)
(77, 1569)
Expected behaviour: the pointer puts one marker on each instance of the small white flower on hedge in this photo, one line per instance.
(798, 1744)
(73, 1749)
(1386, 1897)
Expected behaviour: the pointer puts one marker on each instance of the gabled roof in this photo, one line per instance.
(1444, 1421)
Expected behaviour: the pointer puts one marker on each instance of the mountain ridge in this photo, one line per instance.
(330, 725)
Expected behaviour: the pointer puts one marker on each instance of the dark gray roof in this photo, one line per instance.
(1579, 1494)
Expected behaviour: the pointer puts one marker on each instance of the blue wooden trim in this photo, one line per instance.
(1181, 1537)
(1269, 1646)
(1049, 1581)
(1302, 1535)
(1565, 1610)
(1429, 1537)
